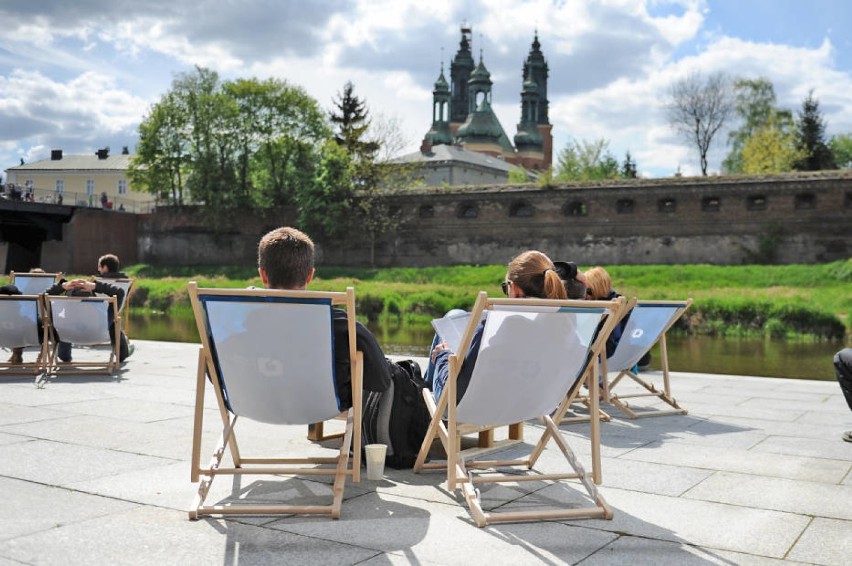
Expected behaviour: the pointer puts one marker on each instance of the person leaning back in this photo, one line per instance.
(285, 260)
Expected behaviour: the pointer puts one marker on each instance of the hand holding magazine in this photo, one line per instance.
(450, 328)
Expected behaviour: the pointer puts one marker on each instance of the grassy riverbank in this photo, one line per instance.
(781, 301)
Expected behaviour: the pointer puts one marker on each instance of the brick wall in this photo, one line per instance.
(720, 220)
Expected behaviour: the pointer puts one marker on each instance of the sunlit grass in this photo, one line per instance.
(782, 301)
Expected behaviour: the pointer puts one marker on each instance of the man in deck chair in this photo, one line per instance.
(83, 288)
(285, 260)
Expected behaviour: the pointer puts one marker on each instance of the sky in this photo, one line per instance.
(81, 75)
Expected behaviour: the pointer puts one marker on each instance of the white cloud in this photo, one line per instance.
(610, 63)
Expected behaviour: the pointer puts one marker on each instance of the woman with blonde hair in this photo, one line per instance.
(599, 288)
(529, 274)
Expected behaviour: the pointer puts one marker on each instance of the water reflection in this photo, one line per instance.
(700, 354)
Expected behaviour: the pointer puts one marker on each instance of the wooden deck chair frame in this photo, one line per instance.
(24, 331)
(576, 394)
(665, 395)
(459, 465)
(125, 283)
(210, 371)
(33, 283)
(57, 306)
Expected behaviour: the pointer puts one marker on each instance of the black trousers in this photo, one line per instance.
(843, 369)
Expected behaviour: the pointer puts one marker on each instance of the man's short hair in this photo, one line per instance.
(287, 257)
(110, 261)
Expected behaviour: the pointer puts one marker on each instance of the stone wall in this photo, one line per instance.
(90, 234)
(719, 220)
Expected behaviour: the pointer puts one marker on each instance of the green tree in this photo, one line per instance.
(325, 205)
(811, 138)
(629, 169)
(518, 176)
(754, 103)
(586, 161)
(162, 154)
(242, 143)
(770, 149)
(698, 109)
(841, 147)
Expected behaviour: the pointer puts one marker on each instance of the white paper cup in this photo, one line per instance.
(376, 460)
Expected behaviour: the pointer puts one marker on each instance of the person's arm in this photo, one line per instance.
(442, 365)
(376, 374)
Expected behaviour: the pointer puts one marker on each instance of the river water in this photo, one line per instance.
(702, 354)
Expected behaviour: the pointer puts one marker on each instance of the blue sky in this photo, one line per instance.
(81, 75)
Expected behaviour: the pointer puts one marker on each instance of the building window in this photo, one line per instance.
(426, 211)
(521, 209)
(804, 201)
(29, 183)
(90, 186)
(666, 205)
(468, 210)
(60, 186)
(756, 202)
(576, 208)
(122, 186)
(711, 204)
(624, 206)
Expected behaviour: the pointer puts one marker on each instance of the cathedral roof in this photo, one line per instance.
(482, 126)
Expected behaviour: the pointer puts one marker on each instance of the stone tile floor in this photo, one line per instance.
(95, 470)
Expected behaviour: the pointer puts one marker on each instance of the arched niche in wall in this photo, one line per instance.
(426, 211)
(468, 210)
(667, 204)
(711, 204)
(625, 206)
(575, 208)
(804, 201)
(521, 209)
(756, 202)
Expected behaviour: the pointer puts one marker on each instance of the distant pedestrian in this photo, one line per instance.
(104, 199)
(843, 369)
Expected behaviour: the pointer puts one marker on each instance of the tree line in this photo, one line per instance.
(768, 138)
(262, 144)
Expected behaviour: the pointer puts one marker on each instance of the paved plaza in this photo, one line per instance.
(95, 470)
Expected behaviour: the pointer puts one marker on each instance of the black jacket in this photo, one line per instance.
(376, 374)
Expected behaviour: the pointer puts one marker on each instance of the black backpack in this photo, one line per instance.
(397, 416)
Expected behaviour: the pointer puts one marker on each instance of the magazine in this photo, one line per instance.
(450, 329)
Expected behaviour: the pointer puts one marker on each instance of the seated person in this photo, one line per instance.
(108, 267)
(17, 356)
(285, 260)
(599, 285)
(83, 288)
(530, 274)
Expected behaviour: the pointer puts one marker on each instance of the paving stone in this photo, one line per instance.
(825, 541)
(30, 508)
(678, 453)
(795, 496)
(646, 552)
(164, 537)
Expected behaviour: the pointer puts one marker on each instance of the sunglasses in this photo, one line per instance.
(505, 286)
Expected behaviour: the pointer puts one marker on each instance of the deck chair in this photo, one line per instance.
(124, 308)
(22, 326)
(532, 352)
(269, 356)
(579, 394)
(648, 323)
(33, 283)
(83, 321)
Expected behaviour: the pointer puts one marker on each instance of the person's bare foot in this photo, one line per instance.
(15, 358)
